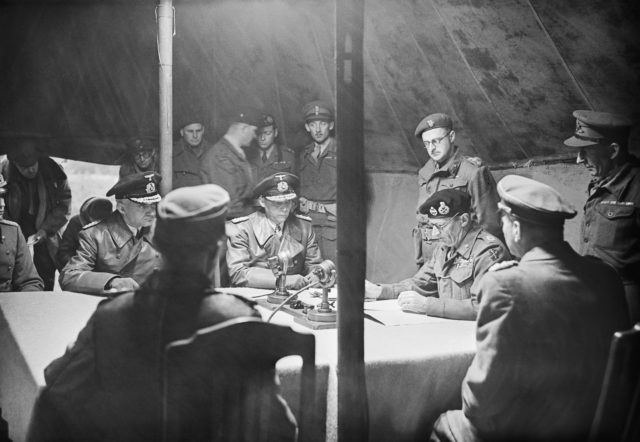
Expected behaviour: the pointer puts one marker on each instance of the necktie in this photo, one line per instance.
(264, 157)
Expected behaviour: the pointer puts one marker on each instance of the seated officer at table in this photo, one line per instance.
(446, 285)
(107, 386)
(17, 271)
(116, 253)
(269, 231)
(543, 330)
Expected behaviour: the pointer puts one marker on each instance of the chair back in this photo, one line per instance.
(617, 417)
(219, 383)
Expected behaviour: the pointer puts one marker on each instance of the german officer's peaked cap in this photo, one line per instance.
(280, 186)
(592, 127)
(433, 121)
(317, 110)
(446, 203)
(140, 187)
(533, 201)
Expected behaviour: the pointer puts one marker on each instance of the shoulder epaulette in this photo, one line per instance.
(8, 223)
(240, 219)
(304, 217)
(91, 224)
(502, 265)
(476, 161)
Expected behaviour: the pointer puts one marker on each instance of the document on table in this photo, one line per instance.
(247, 292)
(388, 312)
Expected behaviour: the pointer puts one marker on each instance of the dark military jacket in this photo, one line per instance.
(543, 334)
(130, 167)
(108, 249)
(611, 223)
(17, 272)
(460, 172)
(225, 166)
(108, 385)
(252, 240)
(319, 179)
(281, 159)
(450, 279)
(186, 163)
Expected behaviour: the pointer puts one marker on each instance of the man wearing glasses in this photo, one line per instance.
(448, 168)
(116, 255)
(142, 156)
(445, 286)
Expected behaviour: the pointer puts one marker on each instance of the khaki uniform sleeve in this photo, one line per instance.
(424, 282)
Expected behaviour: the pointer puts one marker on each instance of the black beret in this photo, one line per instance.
(140, 187)
(277, 187)
(533, 201)
(592, 127)
(446, 203)
(247, 116)
(433, 121)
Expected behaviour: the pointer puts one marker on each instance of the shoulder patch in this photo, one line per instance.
(476, 161)
(304, 217)
(240, 219)
(91, 224)
(502, 265)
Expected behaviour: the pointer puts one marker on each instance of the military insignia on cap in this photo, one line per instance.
(433, 211)
(151, 188)
(430, 123)
(443, 209)
(317, 110)
(283, 186)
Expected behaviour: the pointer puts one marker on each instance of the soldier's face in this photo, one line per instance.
(192, 134)
(439, 143)
(319, 130)
(29, 172)
(597, 159)
(276, 211)
(449, 231)
(2, 206)
(248, 134)
(136, 214)
(266, 137)
(144, 158)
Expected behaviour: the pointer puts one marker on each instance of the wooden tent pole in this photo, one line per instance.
(352, 223)
(165, 71)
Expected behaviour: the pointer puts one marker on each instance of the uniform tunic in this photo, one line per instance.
(227, 167)
(281, 159)
(108, 249)
(186, 163)
(319, 184)
(459, 172)
(543, 335)
(611, 227)
(450, 279)
(17, 272)
(252, 240)
(107, 386)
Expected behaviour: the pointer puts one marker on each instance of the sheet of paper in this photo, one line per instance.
(388, 312)
(247, 292)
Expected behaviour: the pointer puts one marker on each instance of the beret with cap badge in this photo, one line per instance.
(533, 201)
(248, 116)
(446, 203)
(433, 121)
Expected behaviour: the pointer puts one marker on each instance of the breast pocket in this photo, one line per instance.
(614, 224)
(462, 279)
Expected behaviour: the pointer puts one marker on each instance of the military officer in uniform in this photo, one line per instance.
(611, 223)
(142, 156)
(539, 320)
(108, 385)
(17, 272)
(270, 157)
(447, 168)
(272, 230)
(188, 152)
(226, 164)
(318, 176)
(446, 286)
(116, 253)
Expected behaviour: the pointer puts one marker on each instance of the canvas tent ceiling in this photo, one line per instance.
(83, 76)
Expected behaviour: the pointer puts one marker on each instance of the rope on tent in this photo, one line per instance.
(562, 60)
(514, 138)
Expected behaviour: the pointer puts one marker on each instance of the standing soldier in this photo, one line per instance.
(188, 152)
(318, 176)
(270, 157)
(142, 156)
(448, 168)
(611, 223)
